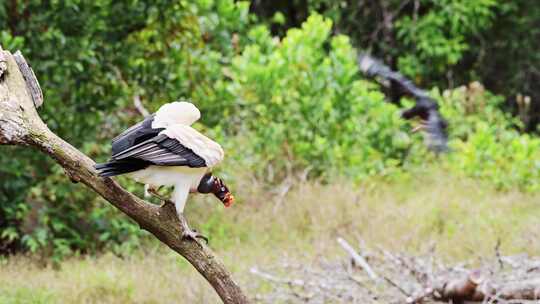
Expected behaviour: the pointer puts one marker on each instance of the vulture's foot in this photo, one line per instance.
(194, 235)
(421, 126)
(154, 191)
(189, 233)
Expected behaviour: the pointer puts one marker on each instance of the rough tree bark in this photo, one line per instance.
(21, 125)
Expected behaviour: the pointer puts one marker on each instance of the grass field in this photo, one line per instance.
(461, 217)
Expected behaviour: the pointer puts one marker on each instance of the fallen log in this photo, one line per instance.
(475, 287)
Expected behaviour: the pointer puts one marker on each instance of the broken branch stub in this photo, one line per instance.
(3, 63)
(21, 125)
(32, 83)
(14, 102)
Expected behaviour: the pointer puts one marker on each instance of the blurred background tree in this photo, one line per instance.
(278, 80)
(436, 42)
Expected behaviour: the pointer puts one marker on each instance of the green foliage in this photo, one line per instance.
(438, 39)
(301, 101)
(507, 159)
(437, 42)
(485, 140)
(24, 295)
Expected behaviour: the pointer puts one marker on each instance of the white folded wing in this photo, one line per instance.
(209, 150)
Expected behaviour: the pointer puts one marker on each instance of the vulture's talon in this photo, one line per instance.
(417, 128)
(194, 235)
(189, 233)
(165, 203)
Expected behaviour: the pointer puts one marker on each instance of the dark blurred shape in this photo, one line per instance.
(427, 109)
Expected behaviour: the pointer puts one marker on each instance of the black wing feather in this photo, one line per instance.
(163, 151)
(193, 160)
(117, 167)
(426, 108)
(135, 135)
(141, 146)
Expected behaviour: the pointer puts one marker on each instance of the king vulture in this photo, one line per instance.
(425, 108)
(164, 150)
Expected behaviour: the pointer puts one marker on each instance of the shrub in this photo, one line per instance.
(486, 142)
(303, 104)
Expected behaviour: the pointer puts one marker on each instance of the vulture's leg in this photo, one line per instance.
(420, 127)
(154, 191)
(147, 193)
(188, 232)
(180, 195)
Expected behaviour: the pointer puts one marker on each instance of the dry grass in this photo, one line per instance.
(462, 218)
(149, 277)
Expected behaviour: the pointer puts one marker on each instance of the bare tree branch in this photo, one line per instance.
(358, 259)
(21, 125)
(139, 106)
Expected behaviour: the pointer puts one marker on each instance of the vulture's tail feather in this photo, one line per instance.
(118, 167)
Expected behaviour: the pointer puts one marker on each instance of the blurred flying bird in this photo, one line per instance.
(164, 150)
(432, 123)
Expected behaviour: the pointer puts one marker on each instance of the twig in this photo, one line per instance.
(281, 192)
(139, 106)
(275, 279)
(3, 63)
(359, 282)
(32, 83)
(358, 259)
(136, 97)
(498, 254)
(389, 281)
(419, 298)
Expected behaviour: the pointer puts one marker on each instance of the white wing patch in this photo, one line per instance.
(209, 150)
(178, 112)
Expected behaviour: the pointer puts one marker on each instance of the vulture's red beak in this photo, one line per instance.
(228, 199)
(222, 192)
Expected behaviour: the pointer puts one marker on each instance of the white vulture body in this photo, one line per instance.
(164, 150)
(185, 179)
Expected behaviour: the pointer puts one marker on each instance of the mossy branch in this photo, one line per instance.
(21, 125)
